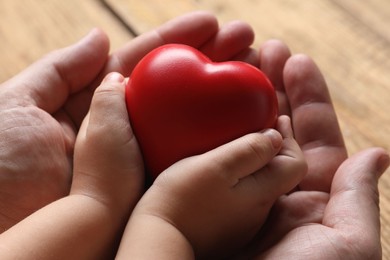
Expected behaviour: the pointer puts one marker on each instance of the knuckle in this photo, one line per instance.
(260, 147)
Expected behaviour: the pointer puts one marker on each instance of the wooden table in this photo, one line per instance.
(349, 40)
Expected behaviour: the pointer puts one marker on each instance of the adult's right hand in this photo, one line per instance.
(334, 211)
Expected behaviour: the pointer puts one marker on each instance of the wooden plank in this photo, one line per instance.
(374, 14)
(348, 39)
(143, 16)
(30, 29)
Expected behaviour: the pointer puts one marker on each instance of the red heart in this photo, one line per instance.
(181, 104)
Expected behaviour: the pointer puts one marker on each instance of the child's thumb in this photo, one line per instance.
(106, 144)
(108, 112)
(107, 125)
(108, 102)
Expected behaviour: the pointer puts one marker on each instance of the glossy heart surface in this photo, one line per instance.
(182, 104)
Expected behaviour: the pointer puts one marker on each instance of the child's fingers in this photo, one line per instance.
(284, 127)
(241, 157)
(108, 108)
(107, 161)
(286, 170)
(106, 126)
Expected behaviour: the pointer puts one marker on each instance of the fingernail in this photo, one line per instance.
(383, 163)
(275, 137)
(114, 77)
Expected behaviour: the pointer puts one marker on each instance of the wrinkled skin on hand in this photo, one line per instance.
(35, 162)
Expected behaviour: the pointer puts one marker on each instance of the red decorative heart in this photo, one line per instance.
(181, 104)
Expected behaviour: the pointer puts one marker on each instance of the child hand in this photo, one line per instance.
(108, 164)
(219, 200)
(107, 183)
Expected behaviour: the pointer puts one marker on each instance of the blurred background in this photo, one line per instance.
(349, 40)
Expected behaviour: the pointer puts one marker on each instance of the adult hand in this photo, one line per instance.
(333, 213)
(42, 108)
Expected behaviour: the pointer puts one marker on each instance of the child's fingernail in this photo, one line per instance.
(275, 137)
(114, 77)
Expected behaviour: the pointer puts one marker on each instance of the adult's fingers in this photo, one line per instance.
(232, 39)
(48, 82)
(273, 57)
(353, 208)
(192, 29)
(248, 55)
(314, 122)
(287, 168)
(198, 29)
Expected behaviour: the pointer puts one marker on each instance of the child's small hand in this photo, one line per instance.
(219, 200)
(107, 163)
(107, 183)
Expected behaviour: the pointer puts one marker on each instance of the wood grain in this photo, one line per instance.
(349, 40)
(30, 29)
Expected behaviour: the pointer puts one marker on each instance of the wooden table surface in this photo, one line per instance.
(349, 40)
